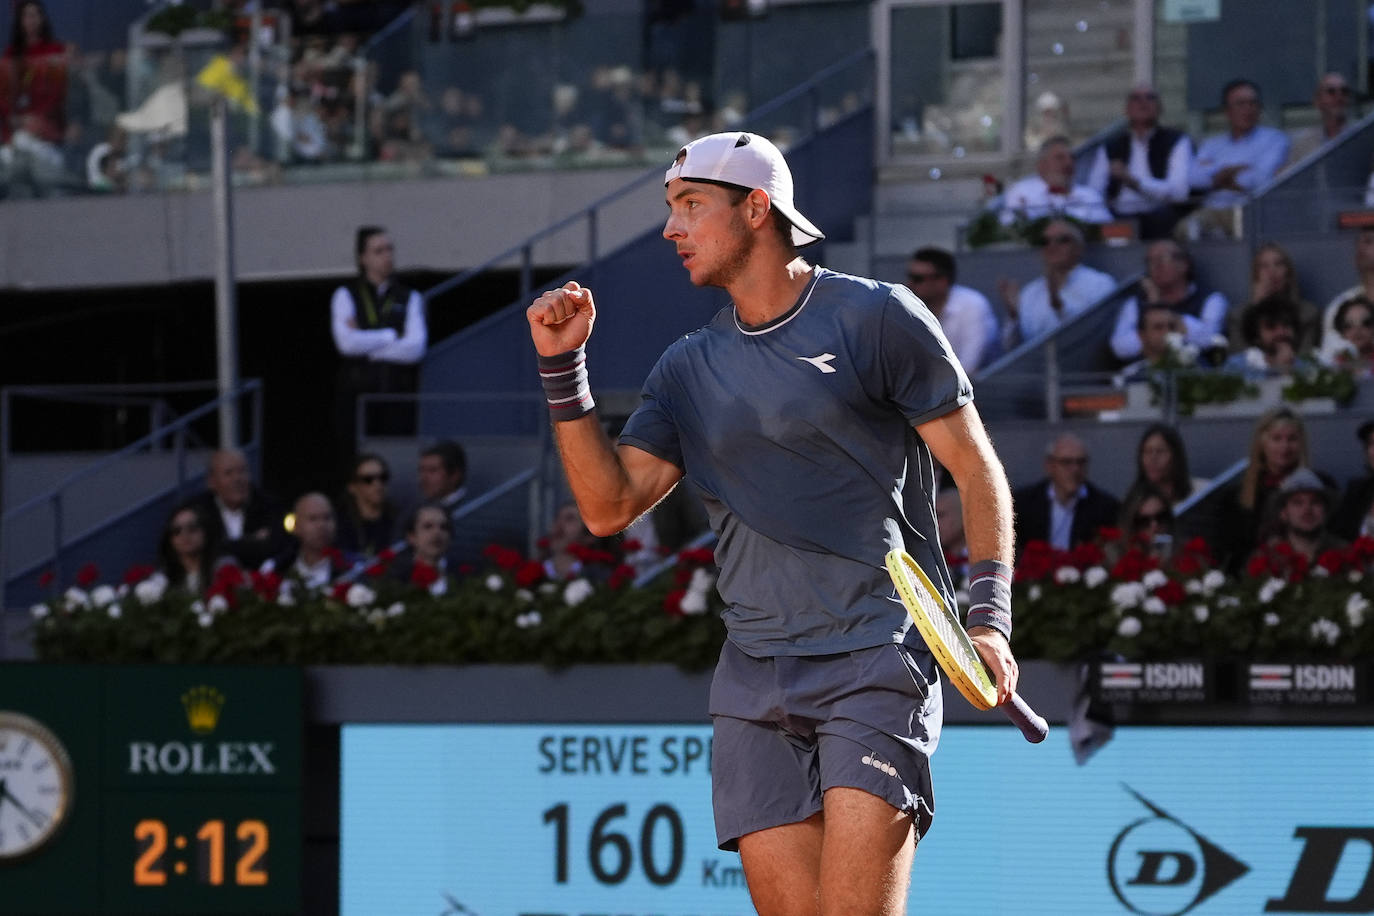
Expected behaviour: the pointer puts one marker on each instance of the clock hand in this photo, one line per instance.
(6, 794)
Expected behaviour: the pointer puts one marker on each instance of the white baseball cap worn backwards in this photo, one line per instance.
(746, 161)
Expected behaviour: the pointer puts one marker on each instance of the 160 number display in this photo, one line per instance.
(611, 854)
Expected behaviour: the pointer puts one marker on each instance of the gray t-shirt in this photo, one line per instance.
(798, 437)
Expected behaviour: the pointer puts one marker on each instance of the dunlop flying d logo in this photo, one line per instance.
(1159, 866)
(202, 704)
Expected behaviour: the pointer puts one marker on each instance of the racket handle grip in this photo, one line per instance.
(1031, 723)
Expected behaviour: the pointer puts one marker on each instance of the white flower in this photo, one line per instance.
(524, 595)
(1095, 576)
(494, 583)
(528, 619)
(360, 595)
(1175, 340)
(151, 589)
(1228, 601)
(1214, 580)
(1269, 589)
(1127, 595)
(548, 588)
(1254, 359)
(286, 595)
(1355, 606)
(115, 611)
(39, 611)
(577, 591)
(1323, 630)
(197, 607)
(1201, 613)
(1153, 579)
(1154, 605)
(693, 602)
(1320, 572)
(1194, 587)
(1128, 627)
(1033, 593)
(1271, 619)
(205, 618)
(217, 604)
(1187, 354)
(376, 617)
(1354, 575)
(702, 581)
(102, 595)
(1066, 575)
(74, 598)
(396, 610)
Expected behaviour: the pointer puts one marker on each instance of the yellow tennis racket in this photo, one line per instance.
(948, 641)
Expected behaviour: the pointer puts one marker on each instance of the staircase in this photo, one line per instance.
(1078, 50)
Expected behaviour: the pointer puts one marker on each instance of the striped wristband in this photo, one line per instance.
(565, 384)
(989, 596)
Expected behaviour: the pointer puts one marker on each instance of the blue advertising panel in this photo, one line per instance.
(558, 820)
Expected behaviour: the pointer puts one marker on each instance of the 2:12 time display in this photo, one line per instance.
(233, 853)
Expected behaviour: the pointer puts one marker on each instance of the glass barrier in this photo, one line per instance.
(437, 90)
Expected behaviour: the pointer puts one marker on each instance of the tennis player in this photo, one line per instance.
(806, 416)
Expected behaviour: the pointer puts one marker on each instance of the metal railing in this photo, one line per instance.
(41, 525)
(808, 92)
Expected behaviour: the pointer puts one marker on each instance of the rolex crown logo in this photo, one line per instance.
(202, 706)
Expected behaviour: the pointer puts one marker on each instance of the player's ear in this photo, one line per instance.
(758, 205)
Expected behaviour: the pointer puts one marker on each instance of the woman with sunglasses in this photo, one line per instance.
(185, 555)
(1147, 523)
(1355, 348)
(367, 520)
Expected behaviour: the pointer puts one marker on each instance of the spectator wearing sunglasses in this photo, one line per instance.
(1332, 99)
(367, 523)
(185, 554)
(1067, 287)
(1051, 191)
(1063, 509)
(1142, 170)
(1355, 347)
(1364, 269)
(965, 315)
(1147, 522)
(1169, 280)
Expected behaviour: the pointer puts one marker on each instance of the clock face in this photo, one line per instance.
(35, 785)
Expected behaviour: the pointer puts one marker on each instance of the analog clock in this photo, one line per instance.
(35, 786)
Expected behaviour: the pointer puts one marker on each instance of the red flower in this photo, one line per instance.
(1363, 546)
(1108, 533)
(137, 573)
(699, 556)
(530, 572)
(376, 570)
(681, 576)
(1089, 553)
(1171, 593)
(266, 584)
(1333, 560)
(87, 575)
(672, 602)
(466, 569)
(505, 558)
(340, 591)
(386, 555)
(1188, 563)
(423, 575)
(229, 575)
(1198, 547)
(621, 576)
(46, 578)
(630, 545)
(1258, 566)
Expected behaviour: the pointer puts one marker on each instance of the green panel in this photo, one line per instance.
(249, 735)
(67, 701)
(167, 837)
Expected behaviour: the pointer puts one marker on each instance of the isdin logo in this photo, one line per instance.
(202, 705)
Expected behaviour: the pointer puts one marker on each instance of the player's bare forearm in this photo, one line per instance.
(612, 485)
(961, 445)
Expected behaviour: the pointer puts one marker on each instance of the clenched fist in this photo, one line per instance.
(561, 319)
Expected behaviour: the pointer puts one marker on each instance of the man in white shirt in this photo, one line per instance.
(1142, 171)
(310, 558)
(965, 315)
(380, 332)
(1051, 191)
(242, 522)
(1169, 281)
(1331, 98)
(1067, 287)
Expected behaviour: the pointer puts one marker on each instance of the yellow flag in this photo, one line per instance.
(220, 76)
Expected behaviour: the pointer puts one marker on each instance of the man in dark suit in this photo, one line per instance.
(242, 522)
(1354, 515)
(1063, 509)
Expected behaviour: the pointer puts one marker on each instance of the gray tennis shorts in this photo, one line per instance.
(787, 728)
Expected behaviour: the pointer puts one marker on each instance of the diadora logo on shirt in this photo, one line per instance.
(821, 362)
